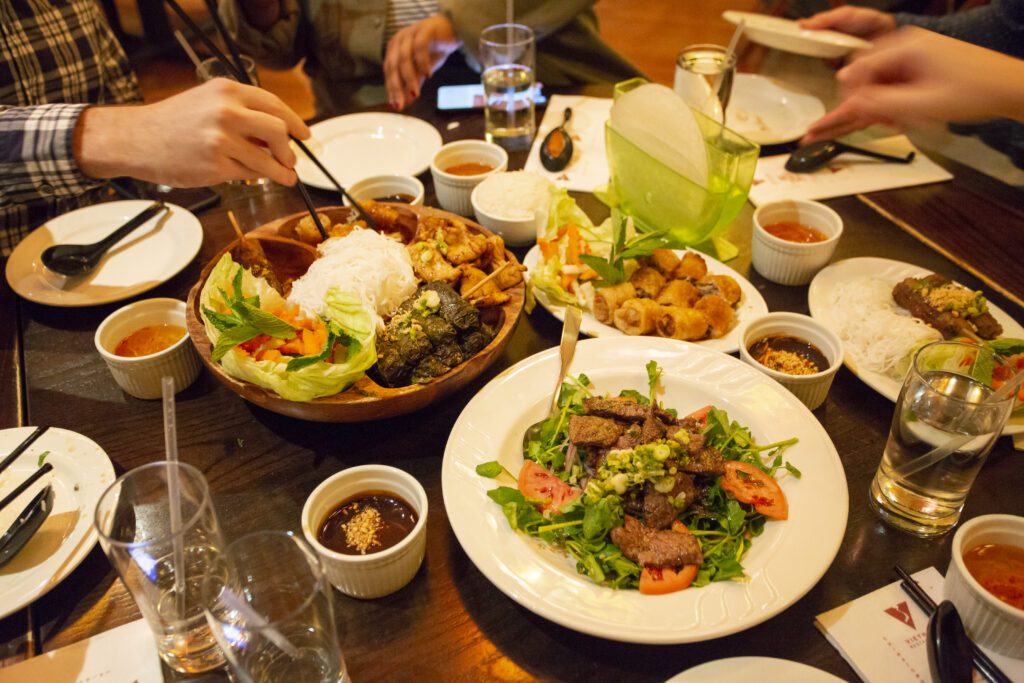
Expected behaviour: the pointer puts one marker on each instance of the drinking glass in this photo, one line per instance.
(704, 75)
(214, 68)
(507, 59)
(162, 563)
(943, 398)
(268, 603)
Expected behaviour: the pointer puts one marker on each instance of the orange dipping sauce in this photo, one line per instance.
(468, 168)
(792, 231)
(999, 568)
(149, 340)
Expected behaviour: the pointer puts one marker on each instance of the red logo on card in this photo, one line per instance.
(901, 613)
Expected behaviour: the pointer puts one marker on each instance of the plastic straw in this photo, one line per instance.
(730, 55)
(174, 491)
(256, 621)
(203, 71)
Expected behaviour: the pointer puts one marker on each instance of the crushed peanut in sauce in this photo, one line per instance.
(361, 530)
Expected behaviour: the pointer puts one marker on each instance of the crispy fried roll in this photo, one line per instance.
(608, 299)
(687, 324)
(663, 260)
(648, 282)
(691, 266)
(679, 293)
(637, 316)
(718, 312)
(726, 287)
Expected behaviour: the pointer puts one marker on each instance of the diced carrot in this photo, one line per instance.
(270, 354)
(572, 254)
(588, 274)
(547, 248)
(320, 334)
(293, 346)
(561, 231)
(567, 281)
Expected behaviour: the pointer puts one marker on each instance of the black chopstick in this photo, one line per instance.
(33, 478)
(21, 448)
(243, 77)
(312, 209)
(985, 666)
(236, 57)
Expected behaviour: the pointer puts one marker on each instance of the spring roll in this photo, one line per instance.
(719, 314)
(637, 316)
(648, 282)
(676, 322)
(608, 299)
(679, 293)
(722, 285)
(663, 260)
(692, 266)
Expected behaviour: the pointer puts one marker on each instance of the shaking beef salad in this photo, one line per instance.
(641, 497)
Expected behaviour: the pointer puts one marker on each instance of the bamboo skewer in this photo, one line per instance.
(468, 293)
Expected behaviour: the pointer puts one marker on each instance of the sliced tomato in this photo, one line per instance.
(750, 485)
(254, 343)
(536, 482)
(661, 580)
(701, 415)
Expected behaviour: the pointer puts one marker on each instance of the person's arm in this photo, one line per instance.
(470, 17)
(998, 25)
(268, 30)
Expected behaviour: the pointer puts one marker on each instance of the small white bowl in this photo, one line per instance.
(793, 263)
(141, 376)
(518, 230)
(375, 574)
(989, 621)
(454, 191)
(378, 186)
(810, 389)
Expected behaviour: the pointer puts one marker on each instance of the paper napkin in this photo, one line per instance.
(847, 174)
(126, 654)
(884, 635)
(588, 168)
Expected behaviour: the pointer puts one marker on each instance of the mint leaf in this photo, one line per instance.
(222, 321)
(608, 272)
(232, 338)
(305, 361)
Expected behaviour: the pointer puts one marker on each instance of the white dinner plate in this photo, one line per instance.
(81, 473)
(785, 34)
(750, 306)
(152, 254)
(357, 146)
(844, 271)
(782, 564)
(760, 669)
(771, 112)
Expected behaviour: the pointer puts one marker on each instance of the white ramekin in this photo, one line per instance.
(989, 621)
(793, 263)
(375, 574)
(385, 186)
(517, 232)
(810, 389)
(454, 191)
(141, 376)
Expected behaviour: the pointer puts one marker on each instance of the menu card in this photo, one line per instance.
(126, 654)
(884, 635)
(588, 168)
(847, 174)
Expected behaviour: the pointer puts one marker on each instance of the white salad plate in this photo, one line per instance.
(358, 146)
(81, 473)
(782, 565)
(751, 305)
(892, 271)
(152, 254)
(786, 34)
(769, 111)
(761, 669)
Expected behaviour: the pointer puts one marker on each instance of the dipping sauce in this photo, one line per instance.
(367, 523)
(469, 168)
(792, 231)
(403, 198)
(149, 340)
(790, 355)
(999, 568)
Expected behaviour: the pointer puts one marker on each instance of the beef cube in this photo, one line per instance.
(659, 508)
(707, 460)
(652, 548)
(587, 430)
(630, 438)
(625, 409)
(652, 430)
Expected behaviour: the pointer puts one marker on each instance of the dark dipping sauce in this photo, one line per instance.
(792, 231)
(366, 523)
(790, 355)
(403, 198)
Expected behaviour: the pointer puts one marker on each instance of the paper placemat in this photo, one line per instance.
(588, 168)
(126, 654)
(847, 174)
(884, 635)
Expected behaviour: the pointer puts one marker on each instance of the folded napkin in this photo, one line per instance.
(847, 174)
(588, 168)
(884, 635)
(122, 655)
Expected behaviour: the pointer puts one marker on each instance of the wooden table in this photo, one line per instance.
(450, 623)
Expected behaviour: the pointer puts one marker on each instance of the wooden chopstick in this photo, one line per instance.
(985, 666)
(312, 209)
(20, 489)
(22, 447)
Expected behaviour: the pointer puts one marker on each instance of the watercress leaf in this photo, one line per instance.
(231, 338)
(653, 374)
(728, 568)
(506, 494)
(583, 380)
(736, 517)
(42, 458)
(489, 469)
(791, 468)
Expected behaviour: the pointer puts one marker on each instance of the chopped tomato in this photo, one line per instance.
(254, 343)
(701, 414)
(750, 485)
(662, 580)
(538, 483)
(294, 346)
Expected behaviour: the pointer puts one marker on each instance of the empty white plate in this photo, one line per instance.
(762, 669)
(771, 112)
(785, 34)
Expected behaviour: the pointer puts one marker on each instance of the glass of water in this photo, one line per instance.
(162, 555)
(944, 427)
(269, 605)
(704, 75)
(507, 58)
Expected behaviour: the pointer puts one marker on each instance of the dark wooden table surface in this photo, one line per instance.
(450, 623)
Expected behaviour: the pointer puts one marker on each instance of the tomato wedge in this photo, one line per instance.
(538, 483)
(701, 415)
(750, 485)
(662, 580)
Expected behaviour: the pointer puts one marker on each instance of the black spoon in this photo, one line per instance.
(78, 259)
(949, 650)
(556, 150)
(26, 525)
(815, 155)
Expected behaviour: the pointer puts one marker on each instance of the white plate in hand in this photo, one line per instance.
(769, 111)
(785, 34)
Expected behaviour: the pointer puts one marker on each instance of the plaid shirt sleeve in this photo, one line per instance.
(36, 153)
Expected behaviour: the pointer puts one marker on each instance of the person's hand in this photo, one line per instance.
(862, 22)
(218, 131)
(413, 54)
(917, 77)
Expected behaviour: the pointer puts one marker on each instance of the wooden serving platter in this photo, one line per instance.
(365, 400)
